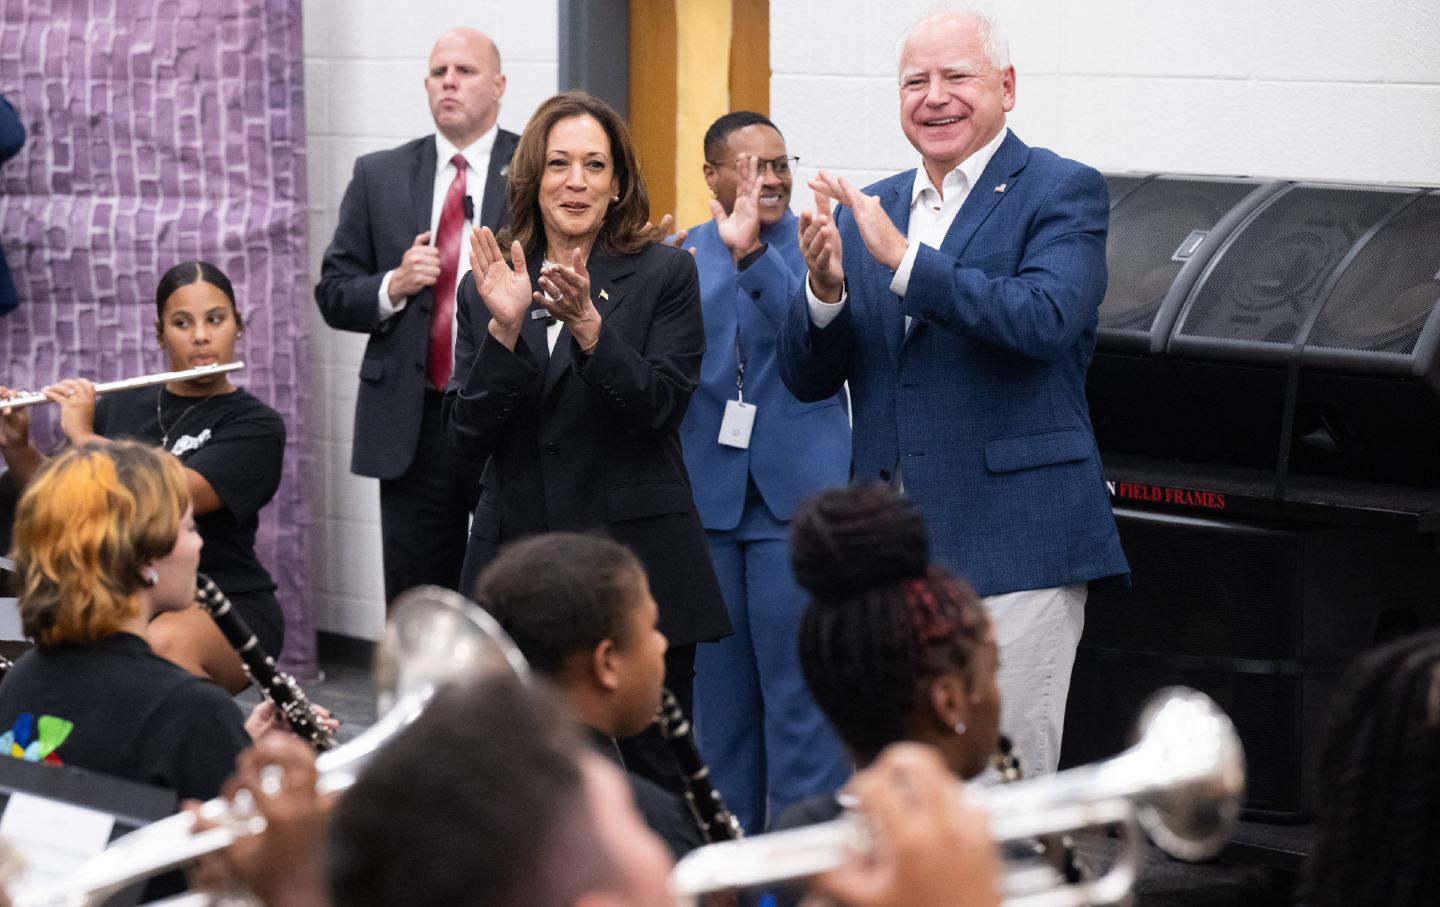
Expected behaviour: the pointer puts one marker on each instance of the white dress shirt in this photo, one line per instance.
(477, 170)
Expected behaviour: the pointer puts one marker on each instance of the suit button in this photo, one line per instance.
(754, 294)
(884, 475)
(550, 448)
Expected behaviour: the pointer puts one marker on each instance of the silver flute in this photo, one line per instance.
(35, 398)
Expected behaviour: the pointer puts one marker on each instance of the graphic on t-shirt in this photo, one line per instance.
(186, 443)
(36, 741)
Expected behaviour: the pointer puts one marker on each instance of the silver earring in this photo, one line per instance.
(152, 578)
(614, 199)
(959, 728)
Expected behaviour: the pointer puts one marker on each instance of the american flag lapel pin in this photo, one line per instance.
(1001, 187)
(604, 295)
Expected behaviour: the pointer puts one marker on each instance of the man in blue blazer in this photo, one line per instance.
(767, 743)
(959, 300)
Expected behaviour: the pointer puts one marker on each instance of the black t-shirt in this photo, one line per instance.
(236, 443)
(114, 706)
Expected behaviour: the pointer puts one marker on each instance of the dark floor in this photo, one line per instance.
(1245, 876)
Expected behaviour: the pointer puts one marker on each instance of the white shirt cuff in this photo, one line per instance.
(387, 308)
(821, 312)
(901, 281)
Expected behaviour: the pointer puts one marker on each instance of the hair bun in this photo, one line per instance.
(856, 537)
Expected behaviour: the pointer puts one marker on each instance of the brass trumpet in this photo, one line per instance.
(35, 398)
(1182, 781)
(434, 636)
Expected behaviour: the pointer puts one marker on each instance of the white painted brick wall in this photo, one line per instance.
(364, 65)
(1323, 89)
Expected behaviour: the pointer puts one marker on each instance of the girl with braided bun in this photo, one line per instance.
(1377, 829)
(893, 647)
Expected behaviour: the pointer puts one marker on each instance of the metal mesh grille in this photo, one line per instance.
(1120, 186)
(1381, 302)
(1269, 279)
(1264, 709)
(1215, 595)
(1145, 230)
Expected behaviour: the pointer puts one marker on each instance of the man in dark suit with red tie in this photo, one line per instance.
(391, 272)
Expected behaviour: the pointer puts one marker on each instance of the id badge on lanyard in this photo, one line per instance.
(739, 419)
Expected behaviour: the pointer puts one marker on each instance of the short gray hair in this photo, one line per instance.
(997, 48)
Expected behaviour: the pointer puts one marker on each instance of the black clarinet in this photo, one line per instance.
(716, 821)
(1057, 849)
(274, 684)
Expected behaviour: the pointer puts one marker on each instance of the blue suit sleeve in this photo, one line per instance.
(1037, 300)
(814, 362)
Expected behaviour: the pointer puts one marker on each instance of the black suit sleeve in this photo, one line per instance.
(648, 389)
(350, 275)
(488, 380)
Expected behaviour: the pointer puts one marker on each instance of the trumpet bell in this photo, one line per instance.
(1198, 768)
(434, 636)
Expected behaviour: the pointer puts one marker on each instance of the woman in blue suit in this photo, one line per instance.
(753, 453)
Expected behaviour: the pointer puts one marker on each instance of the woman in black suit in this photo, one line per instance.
(575, 358)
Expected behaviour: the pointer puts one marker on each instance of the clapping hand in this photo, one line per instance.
(885, 243)
(820, 246)
(673, 237)
(505, 290)
(740, 229)
(566, 295)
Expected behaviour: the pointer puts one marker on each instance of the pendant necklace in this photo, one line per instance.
(165, 432)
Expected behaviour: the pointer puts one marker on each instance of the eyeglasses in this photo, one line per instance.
(780, 165)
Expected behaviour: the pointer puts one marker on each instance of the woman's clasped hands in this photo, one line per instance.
(504, 288)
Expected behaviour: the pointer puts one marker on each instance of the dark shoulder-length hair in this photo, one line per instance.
(625, 228)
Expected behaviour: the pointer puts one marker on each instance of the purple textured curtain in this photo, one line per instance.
(158, 132)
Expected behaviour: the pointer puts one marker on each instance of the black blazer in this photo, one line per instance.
(387, 204)
(575, 443)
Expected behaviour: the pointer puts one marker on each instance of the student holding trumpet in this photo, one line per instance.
(230, 444)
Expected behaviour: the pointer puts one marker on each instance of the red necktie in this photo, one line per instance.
(440, 357)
